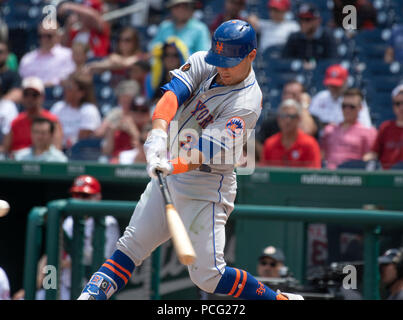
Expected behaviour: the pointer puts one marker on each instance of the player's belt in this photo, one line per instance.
(205, 168)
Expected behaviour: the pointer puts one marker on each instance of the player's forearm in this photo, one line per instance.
(160, 124)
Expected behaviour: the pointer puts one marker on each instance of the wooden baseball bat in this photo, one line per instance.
(180, 237)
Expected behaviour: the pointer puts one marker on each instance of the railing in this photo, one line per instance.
(53, 215)
(370, 220)
(78, 209)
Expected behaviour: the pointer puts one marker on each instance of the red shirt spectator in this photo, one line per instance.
(291, 147)
(304, 152)
(389, 144)
(93, 30)
(21, 129)
(98, 40)
(122, 141)
(32, 100)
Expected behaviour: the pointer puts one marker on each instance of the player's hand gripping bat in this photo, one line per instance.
(180, 237)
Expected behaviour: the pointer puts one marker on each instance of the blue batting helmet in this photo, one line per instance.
(232, 41)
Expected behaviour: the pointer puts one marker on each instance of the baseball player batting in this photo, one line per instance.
(214, 91)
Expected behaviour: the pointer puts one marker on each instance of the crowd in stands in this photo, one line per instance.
(84, 87)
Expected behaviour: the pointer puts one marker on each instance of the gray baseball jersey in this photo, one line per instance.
(222, 116)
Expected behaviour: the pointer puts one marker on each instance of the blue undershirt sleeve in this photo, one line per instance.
(179, 88)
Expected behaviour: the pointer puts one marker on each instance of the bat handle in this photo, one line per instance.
(164, 187)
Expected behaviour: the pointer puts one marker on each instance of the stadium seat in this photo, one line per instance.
(211, 9)
(359, 164)
(86, 150)
(22, 13)
(273, 52)
(397, 166)
(52, 95)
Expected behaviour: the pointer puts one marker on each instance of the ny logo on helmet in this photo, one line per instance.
(219, 47)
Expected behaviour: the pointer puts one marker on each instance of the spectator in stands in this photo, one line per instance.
(276, 30)
(84, 24)
(326, 104)
(366, 13)
(86, 188)
(308, 124)
(312, 41)
(194, 33)
(348, 140)
(8, 112)
(128, 51)
(10, 80)
(77, 111)
(125, 92)
(139, 72)
(291, 147)
(391, 269)
(394, 50)
(137, 154)
(388, 146)
(50, 62)
(33, 97)
(126, 135)
(42, 149)
(271, 263)
(79, 54)
(233, 9)
(167, 56)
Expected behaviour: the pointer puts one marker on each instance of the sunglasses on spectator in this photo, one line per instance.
(81, 195)
(306, 19)
(288, 115)
(140, 109)
(126, 39)
(46, 35)
(31, 93)
(265, 263)
(398, 103)
(350, 106)
(171, 55)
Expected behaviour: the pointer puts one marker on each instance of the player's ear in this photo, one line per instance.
(252, 55)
